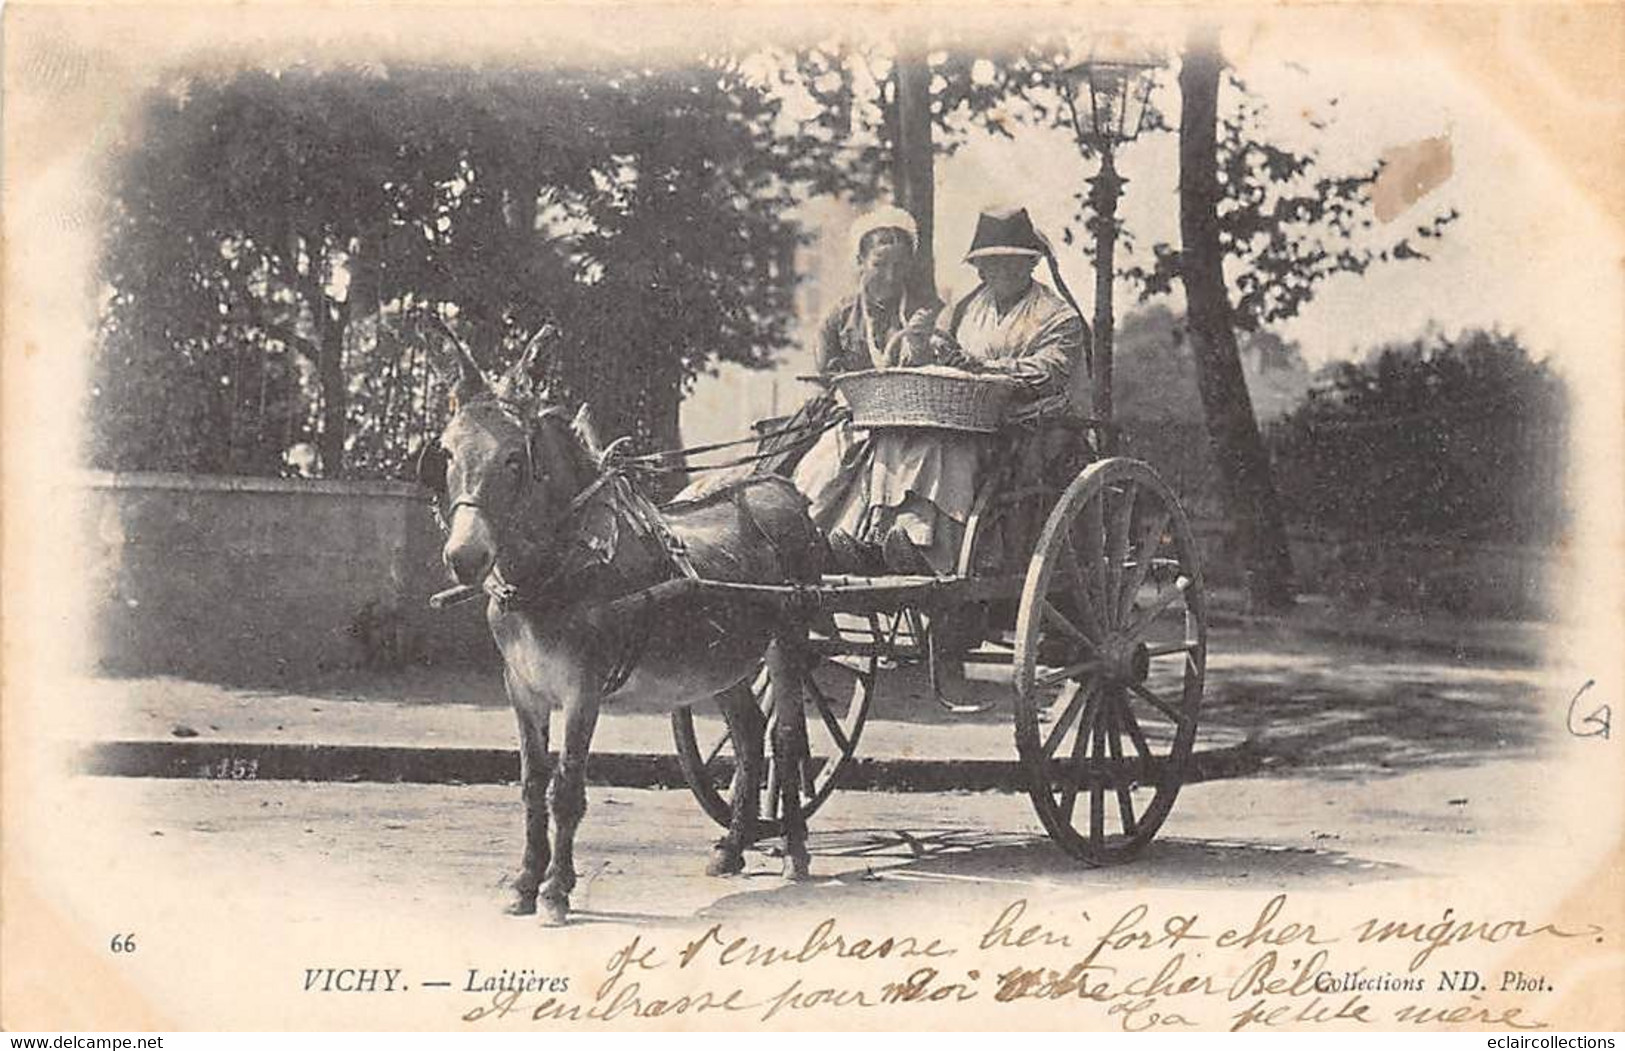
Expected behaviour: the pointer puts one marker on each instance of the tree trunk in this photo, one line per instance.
(1244, 468)
(913, 163)
(330, 326)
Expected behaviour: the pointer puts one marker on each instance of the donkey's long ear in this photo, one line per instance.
(455, 362)
(585, 430)
(518, 384)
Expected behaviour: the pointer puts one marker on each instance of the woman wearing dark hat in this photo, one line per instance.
(1010, 323)
(922, 484)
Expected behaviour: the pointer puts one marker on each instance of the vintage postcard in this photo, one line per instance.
(862, 517)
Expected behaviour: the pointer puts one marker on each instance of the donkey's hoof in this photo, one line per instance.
(725, 863)
(797, 869)
(521, 905)
(555, 913)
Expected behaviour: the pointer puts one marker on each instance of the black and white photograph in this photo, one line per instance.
(859, 517)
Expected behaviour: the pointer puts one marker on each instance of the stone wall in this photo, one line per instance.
(257, 579)
(245, 579)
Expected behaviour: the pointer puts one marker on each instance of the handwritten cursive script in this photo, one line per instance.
(1600, 718)
(1136, 969)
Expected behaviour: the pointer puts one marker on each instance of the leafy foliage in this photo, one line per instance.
(1156, 372)
(1461, 437)
(1159, 407)
(1285, 224)
(277, 237)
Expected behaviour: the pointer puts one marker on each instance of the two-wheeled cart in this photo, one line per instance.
(1081, 577)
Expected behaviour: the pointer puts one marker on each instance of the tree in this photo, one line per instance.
(291, 227)
(1244, 468)
(1285, 225)
(913, 164)
(1159, 403)
(1460, 437)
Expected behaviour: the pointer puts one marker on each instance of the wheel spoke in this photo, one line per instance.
(722, 742)
(1150, 540)
(1097, 786)
(1132, 725)
(1060, 620)
(1093, 627)
(762, 690)
(1117, 548)
(1163, 649)
(825, 708)
(1080, 751)
(1092, 562)
(1081, 700)
(823, 753)
(1179, 717)
(1137, 629)
(1114, 747)
(1072, 671)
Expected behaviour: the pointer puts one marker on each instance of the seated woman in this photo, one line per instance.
(867, 330)
(916, 494)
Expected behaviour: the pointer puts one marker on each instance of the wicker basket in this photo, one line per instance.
(931, 396)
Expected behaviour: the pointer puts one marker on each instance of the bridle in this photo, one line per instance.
(613, 469)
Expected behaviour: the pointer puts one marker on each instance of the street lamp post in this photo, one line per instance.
(1107, 99)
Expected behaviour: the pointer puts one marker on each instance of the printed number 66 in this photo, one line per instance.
(122, 943)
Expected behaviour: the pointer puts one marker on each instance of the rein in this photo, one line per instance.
(657, 463)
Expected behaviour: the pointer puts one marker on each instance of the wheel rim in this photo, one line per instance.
(838, 692)
(1111, 642)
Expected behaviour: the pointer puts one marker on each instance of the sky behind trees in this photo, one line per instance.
(1529, 253)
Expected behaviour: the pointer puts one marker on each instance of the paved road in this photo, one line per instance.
(1374, 762)
(1385, 776)
(641, 851)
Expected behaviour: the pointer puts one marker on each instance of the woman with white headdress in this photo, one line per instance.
(882, 325)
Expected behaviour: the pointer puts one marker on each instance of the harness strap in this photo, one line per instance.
(737, 461)
(648, 518)
(698, 450)
(651, 463)
(581, 499)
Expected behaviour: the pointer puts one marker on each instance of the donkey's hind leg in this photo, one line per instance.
(747, 726)
(786, 658)
(567, 802)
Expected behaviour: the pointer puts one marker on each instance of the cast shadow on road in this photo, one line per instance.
(1336, 719)
(869, 868)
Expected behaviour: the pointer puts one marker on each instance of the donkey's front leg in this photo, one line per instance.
(533, 717)
(567, 801)
(746, 726)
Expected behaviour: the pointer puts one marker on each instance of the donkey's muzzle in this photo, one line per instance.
(470, 551)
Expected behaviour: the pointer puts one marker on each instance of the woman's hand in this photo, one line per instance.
(911, 344)
(947, 351)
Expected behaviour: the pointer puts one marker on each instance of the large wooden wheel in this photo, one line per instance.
(838, 692)
(1111, 646)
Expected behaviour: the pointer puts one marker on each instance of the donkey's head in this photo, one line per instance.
(506, 467)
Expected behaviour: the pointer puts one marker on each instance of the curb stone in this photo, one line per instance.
(234, 761)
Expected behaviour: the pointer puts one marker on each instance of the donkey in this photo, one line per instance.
(535, 511)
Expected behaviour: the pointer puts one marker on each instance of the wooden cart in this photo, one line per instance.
(1084, 575)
